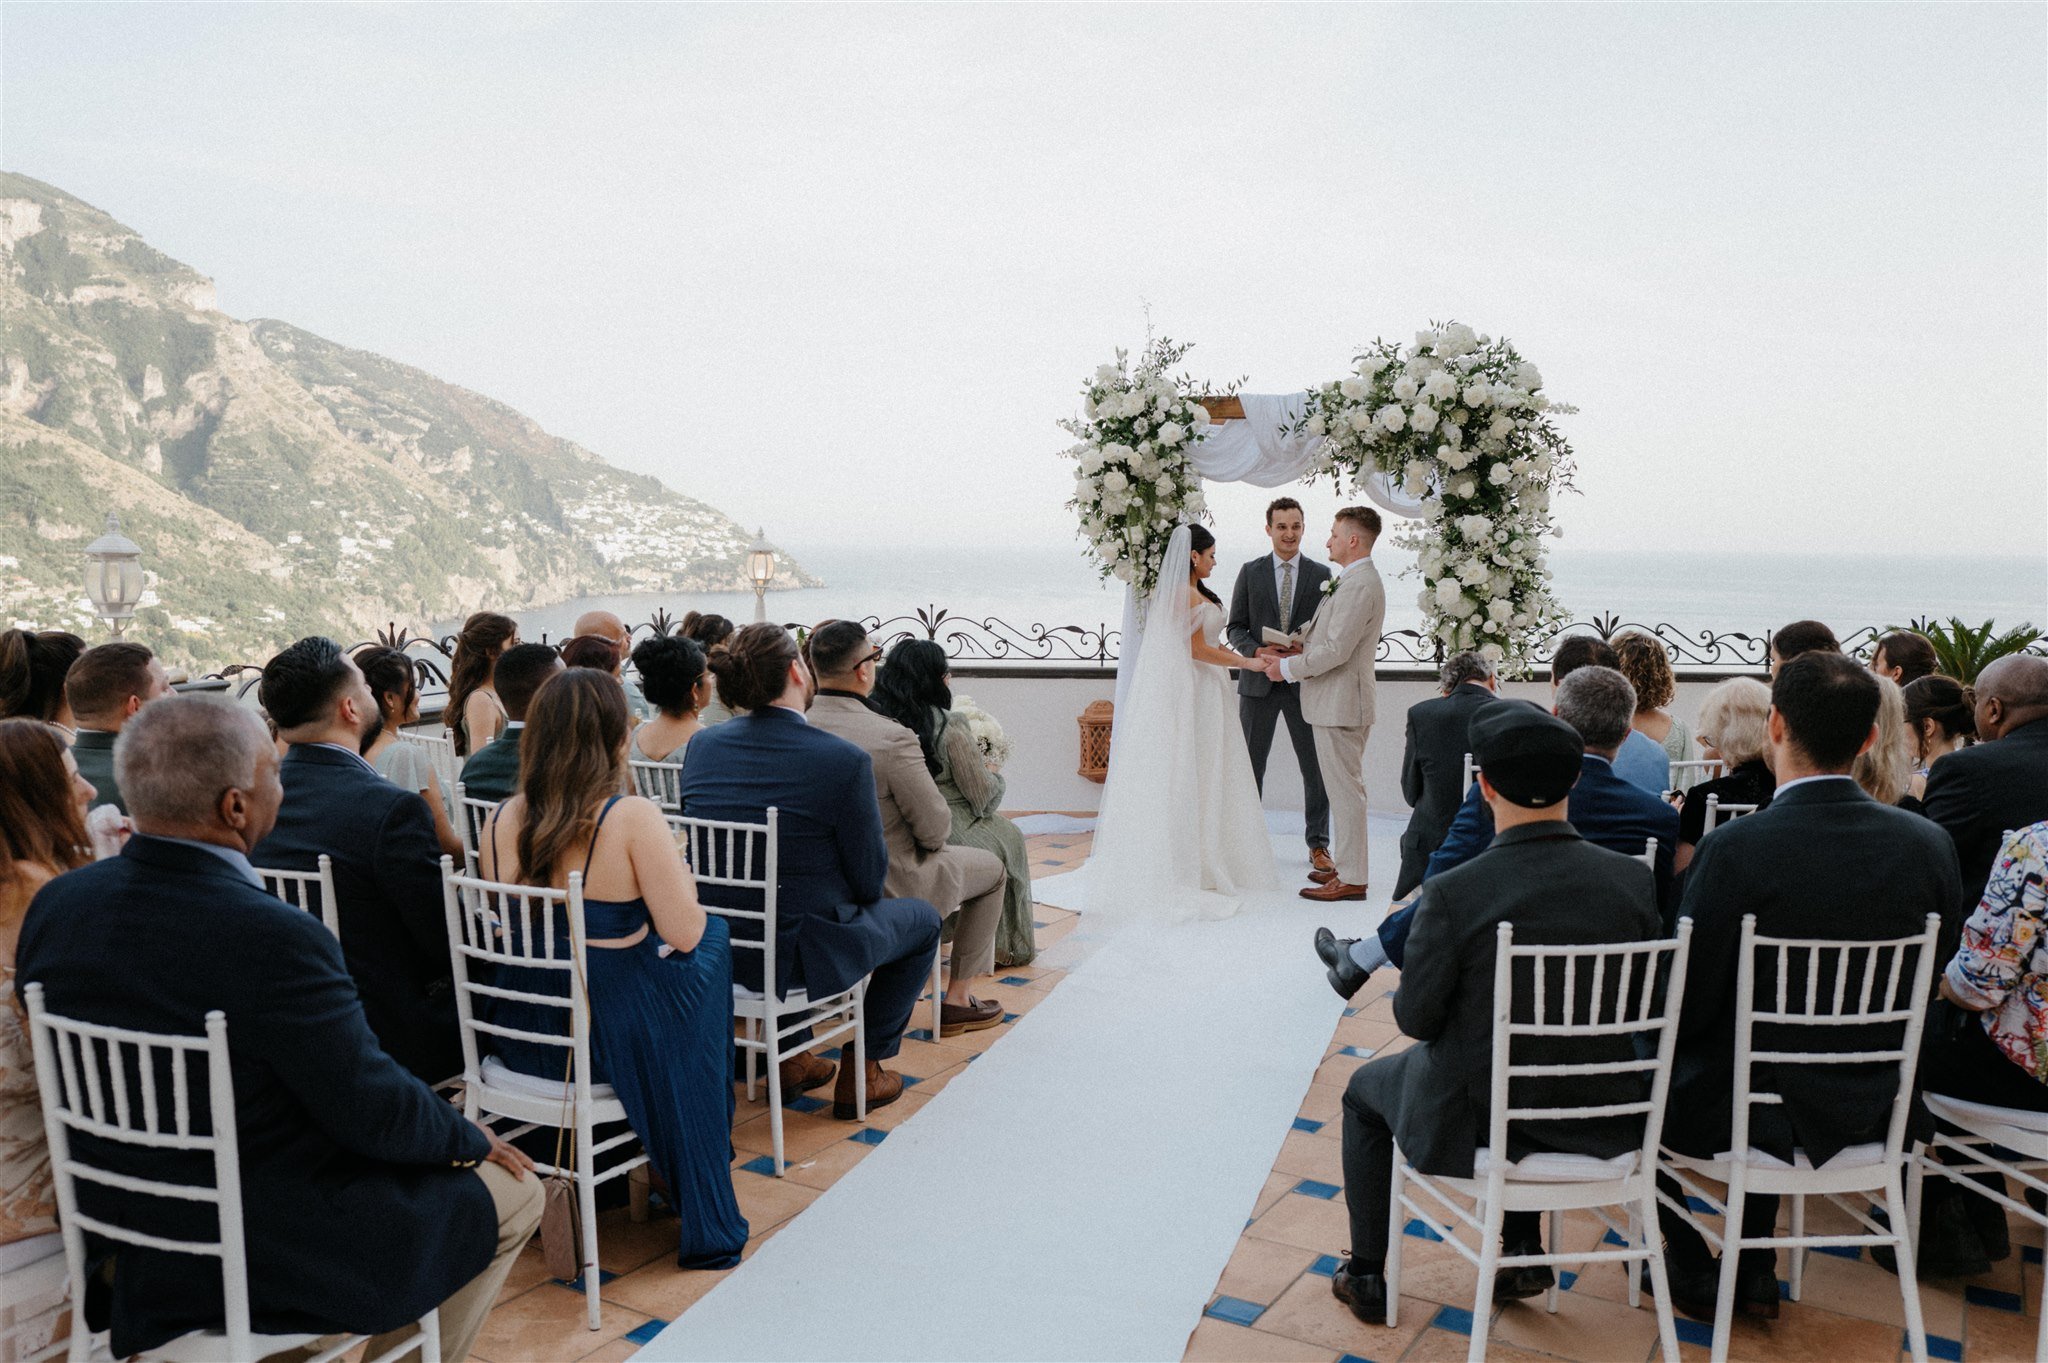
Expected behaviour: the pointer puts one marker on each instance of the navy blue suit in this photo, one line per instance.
(1605, 809)
(356, 1214)
(833, 923)
(387, 877)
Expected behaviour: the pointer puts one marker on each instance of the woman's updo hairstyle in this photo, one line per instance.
(389, 675)
(670, 667)
(1946, 701)
(753, 667)
(709, 631)
(1199, 541)
(592, 651)
(32, 671)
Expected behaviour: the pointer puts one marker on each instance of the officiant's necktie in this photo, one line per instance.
(1286, 595)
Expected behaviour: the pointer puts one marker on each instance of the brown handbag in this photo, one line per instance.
(561, 1212)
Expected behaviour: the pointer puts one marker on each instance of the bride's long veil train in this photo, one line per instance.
(1181, 835)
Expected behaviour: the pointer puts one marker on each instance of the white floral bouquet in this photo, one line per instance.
(988, 735)
(1460, 420)
(1133, 481)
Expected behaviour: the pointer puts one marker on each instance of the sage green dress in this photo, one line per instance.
(975, 794)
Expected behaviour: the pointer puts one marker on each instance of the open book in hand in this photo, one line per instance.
(1277, 639)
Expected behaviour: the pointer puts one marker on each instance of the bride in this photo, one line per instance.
(1181, 834)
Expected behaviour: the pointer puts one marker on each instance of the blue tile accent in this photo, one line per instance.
(1702, 1206)
(1236, 1310)
(1455, 1319)
(1612, 1239)
(1420, 1231)
(1011, 1017)
(1305, 1124)
(921, 1034)
(1361, 1052)
(1698, 1333)
(803, 1102)
(1351, 1012)
(575, 1284)
(1352, 1358)
(1565, 1281)
(644, 1334)
(1840, 1251)
(761, 1164)
(1019, 979)
(2031, 1254)
(1326, 1266)
(1940, 1346)
(1991, 1297)
(1311, 1188)
(909, 1080)
(831, 1053)
(1036, 924)
(869, 1136)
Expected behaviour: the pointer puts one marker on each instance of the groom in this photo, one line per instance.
(1280, 590)
(1335, 669)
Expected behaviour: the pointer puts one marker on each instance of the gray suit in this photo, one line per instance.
(916, 822)
(1254, 606)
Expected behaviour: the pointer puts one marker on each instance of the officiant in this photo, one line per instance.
(1279, 591)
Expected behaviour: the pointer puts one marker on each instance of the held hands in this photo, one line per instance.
(1273, 672)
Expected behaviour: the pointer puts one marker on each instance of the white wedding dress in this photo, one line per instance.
(1181, 834)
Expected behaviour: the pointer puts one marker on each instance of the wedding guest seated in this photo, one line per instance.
(1904, 656)
(474, 714)
(1998, 1055)
(835, 924)
(677, 683)
(104, 688)
(1640, 760)
(710, 633)
(1647, 666)
(1597, 703)
(43, 801)
(2001, 781)
(1941, 715)
(607, 626)
(395, 689)
(367, 1200)
(661, 1026)
(965, 884)
(1433, 760)
(1885, 769)
(913, 688)
(1735, 730)
(386, 860)
(33, 665)
(1801, 636)
(1824, 861)
(492, 772)
(1434, 1099)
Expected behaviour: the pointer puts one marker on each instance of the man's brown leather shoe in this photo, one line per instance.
(1322, 877)
(884, 1088)
(1319, 857)
(1333, 892)
(802, 1073)
(972, 1016)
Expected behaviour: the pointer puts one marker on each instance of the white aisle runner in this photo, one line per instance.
(1075, 1193)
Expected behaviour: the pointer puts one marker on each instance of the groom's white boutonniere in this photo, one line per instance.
(1330, 585)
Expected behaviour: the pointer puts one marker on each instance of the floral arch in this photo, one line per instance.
(1453, 433)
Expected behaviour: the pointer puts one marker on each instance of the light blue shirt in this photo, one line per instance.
(1642, 762)
(227, 854)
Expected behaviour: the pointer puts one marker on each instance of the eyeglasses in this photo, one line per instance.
(874, 657)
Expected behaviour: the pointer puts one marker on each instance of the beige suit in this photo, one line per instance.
(1335, 670)
(916, 823)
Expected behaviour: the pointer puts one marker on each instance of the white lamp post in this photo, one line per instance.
(761, 569)
(113, 575)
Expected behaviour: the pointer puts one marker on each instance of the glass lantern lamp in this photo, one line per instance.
(761, 571)
(113, 576)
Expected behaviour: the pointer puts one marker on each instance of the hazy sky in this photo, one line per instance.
(839, 270)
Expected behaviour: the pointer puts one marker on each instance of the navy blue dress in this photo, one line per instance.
(661, 1036)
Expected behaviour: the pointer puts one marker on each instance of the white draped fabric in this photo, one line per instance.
(1260, 451)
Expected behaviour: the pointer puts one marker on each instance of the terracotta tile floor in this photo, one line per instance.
(1273, 1300)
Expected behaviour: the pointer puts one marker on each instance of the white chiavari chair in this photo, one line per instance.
(312, 891)
(1718, 813)
(661, 782)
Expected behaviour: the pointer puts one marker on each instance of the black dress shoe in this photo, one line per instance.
(1695, 1286)
(1346, 976)
(1524, 1280)
(1949, 1245)
(1756, 1291)
(1365, 1294)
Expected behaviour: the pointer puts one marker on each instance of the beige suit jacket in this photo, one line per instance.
(915, 818)
(1335, 668)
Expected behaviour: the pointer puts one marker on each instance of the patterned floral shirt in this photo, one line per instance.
(2002, 965)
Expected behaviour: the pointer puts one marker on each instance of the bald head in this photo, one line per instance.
(2011, 692)
(603, 624)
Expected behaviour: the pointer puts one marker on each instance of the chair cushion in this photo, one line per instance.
(1852, 1157)
(498, 1075)
(1549, 1167)
(1983, 1114)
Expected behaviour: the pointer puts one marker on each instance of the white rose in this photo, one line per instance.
(1477, 394)
(1123, 572)
(1472, 573)
(1405, 388)
(1371, 365)
(1141, 426)
(1474, 528)
(1424, 340)
(1465, 488)
(1501, 428)
(1317, 425)
(1200, 415)
(1107, 375)
(1417, 468)
(1460, 459)
(1354, 389)
(1499, 475)
(1114, 481)
(1528, 376)
(1447, 595)
(1492, 652)
(1439, 386)
(1196, 504)
(1162, 404)
(1424, 418)
(1172, 433)
(1392, 418)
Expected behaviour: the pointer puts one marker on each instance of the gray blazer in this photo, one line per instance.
(1255, 605)
(1556, 889)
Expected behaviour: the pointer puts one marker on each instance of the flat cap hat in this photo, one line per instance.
(1529, 755)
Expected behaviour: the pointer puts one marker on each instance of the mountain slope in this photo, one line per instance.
(280, 483)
